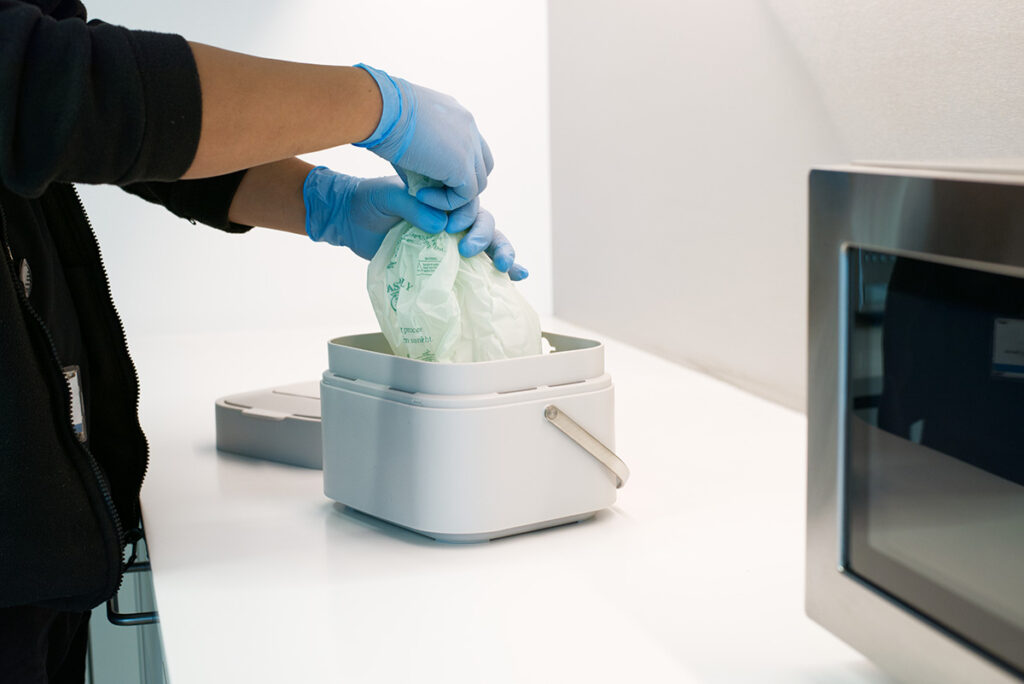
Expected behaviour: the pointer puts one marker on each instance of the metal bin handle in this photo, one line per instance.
(591, 444)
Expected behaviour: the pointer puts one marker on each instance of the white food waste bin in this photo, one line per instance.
(467, 452)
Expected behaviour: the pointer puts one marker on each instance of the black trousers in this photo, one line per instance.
(42, 646)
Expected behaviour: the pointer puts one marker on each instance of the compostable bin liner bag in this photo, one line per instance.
(433, 304)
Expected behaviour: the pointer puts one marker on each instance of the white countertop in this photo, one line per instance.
(695, 575)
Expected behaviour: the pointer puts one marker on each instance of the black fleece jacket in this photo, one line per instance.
(79, 103)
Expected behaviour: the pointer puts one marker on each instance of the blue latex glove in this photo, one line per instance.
(429, 133)
(358, 212)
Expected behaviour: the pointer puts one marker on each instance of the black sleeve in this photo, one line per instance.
(206, 200)
(92, 103)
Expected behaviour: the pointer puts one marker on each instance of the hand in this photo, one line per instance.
(358, 212)
(482, 236)
(429, 133)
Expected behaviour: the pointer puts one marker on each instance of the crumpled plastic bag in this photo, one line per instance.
(435, 305)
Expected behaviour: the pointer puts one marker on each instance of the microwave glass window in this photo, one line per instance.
(934, 468)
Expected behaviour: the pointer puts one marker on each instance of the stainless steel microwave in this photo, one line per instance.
(915, 409)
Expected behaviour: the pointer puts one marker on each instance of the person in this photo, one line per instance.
(212, 136)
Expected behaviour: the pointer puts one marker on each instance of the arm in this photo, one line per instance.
(271, 196)
(97, 103)
(257, 111)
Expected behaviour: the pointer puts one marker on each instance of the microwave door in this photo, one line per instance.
(934, 467)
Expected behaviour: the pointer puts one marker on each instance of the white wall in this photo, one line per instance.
(168, 275)
(682, 133)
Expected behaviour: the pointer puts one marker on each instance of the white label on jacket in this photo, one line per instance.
(74, 380)
(1008, 348)
(26, 277)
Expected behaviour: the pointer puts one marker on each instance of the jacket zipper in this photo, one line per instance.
(120, 326)
(101, 479)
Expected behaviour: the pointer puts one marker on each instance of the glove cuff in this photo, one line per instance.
(391, 109)
(327, 196)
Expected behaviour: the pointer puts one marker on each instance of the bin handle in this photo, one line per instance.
(592, 445)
